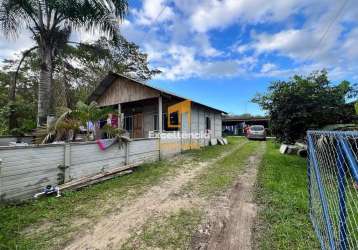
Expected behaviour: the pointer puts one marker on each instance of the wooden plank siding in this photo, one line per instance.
(123, 90)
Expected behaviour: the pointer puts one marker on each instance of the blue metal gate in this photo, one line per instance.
(333, 187)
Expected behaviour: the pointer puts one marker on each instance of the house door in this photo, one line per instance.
(138, 125)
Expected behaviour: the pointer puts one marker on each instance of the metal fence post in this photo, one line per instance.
(342, 199)
(309, 186)
(351, 159)
(333, 179)
(322, 195)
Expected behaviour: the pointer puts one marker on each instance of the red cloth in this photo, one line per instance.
(103, 144)
(114, 121)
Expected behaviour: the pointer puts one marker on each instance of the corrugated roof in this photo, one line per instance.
(108, 80)
(229, 118)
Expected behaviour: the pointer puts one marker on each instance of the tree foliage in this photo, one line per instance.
(306, 102)
(23, 106)
(51, 23)
(68, 122)
(76, 73)
(85, 65)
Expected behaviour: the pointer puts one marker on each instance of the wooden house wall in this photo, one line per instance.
(122, 91)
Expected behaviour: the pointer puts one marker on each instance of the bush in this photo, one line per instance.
(303, 103)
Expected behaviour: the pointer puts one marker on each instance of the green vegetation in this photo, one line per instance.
(46, 219)
(221, 175)
(72, 82)
(170, 232)
(282, 195)
(175, 231)
(306, 102)
(68, 122)
(206, 153)
(60, 214)
(51, 24)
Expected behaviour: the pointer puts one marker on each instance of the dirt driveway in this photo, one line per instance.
(228, 217)
(232, 215)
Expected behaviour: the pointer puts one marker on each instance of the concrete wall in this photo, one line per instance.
(170, 145)
(5, 140)
(25, 171)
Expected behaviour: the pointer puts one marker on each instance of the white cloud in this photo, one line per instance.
(213, 14)
(11, 48)
(298, 44)
(182, 63)
(349, 47)
(267, 67)
(190, 25)
(291, 43)
(178, 37)
(153, 10)
(202, 42)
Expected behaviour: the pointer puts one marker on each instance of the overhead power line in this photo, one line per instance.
(329, 26)
(155, 20)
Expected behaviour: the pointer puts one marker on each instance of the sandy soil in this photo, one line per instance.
(113, 230)
(231, 217)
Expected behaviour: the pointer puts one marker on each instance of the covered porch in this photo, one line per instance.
(139, 118)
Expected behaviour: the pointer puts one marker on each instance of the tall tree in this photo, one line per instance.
(85, 65)
(51, 23)
(306, 102)
(77, 71)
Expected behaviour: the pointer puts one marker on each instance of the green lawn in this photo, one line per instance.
(281, 194)
(38, 224)
(222, 174)
(283, 198)
(175, 231)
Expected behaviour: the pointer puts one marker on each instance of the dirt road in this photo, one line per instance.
(112, 231)
(233, 227)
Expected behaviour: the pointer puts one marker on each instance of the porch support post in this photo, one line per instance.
(120, 116)
(160, 114)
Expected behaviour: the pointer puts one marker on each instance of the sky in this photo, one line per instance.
(222, 52)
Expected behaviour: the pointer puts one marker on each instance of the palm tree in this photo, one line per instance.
(51, 23)
(86, 113)
(68, 123)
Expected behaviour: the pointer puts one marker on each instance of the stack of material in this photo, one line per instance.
(220, 141)
(86, 181)
(299, 149)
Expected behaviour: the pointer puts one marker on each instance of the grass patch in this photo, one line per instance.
(59, 213)
(207, 153)
(222, 174)
(175, 231)
(282, 195)
(47, 221)
(170, 232)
